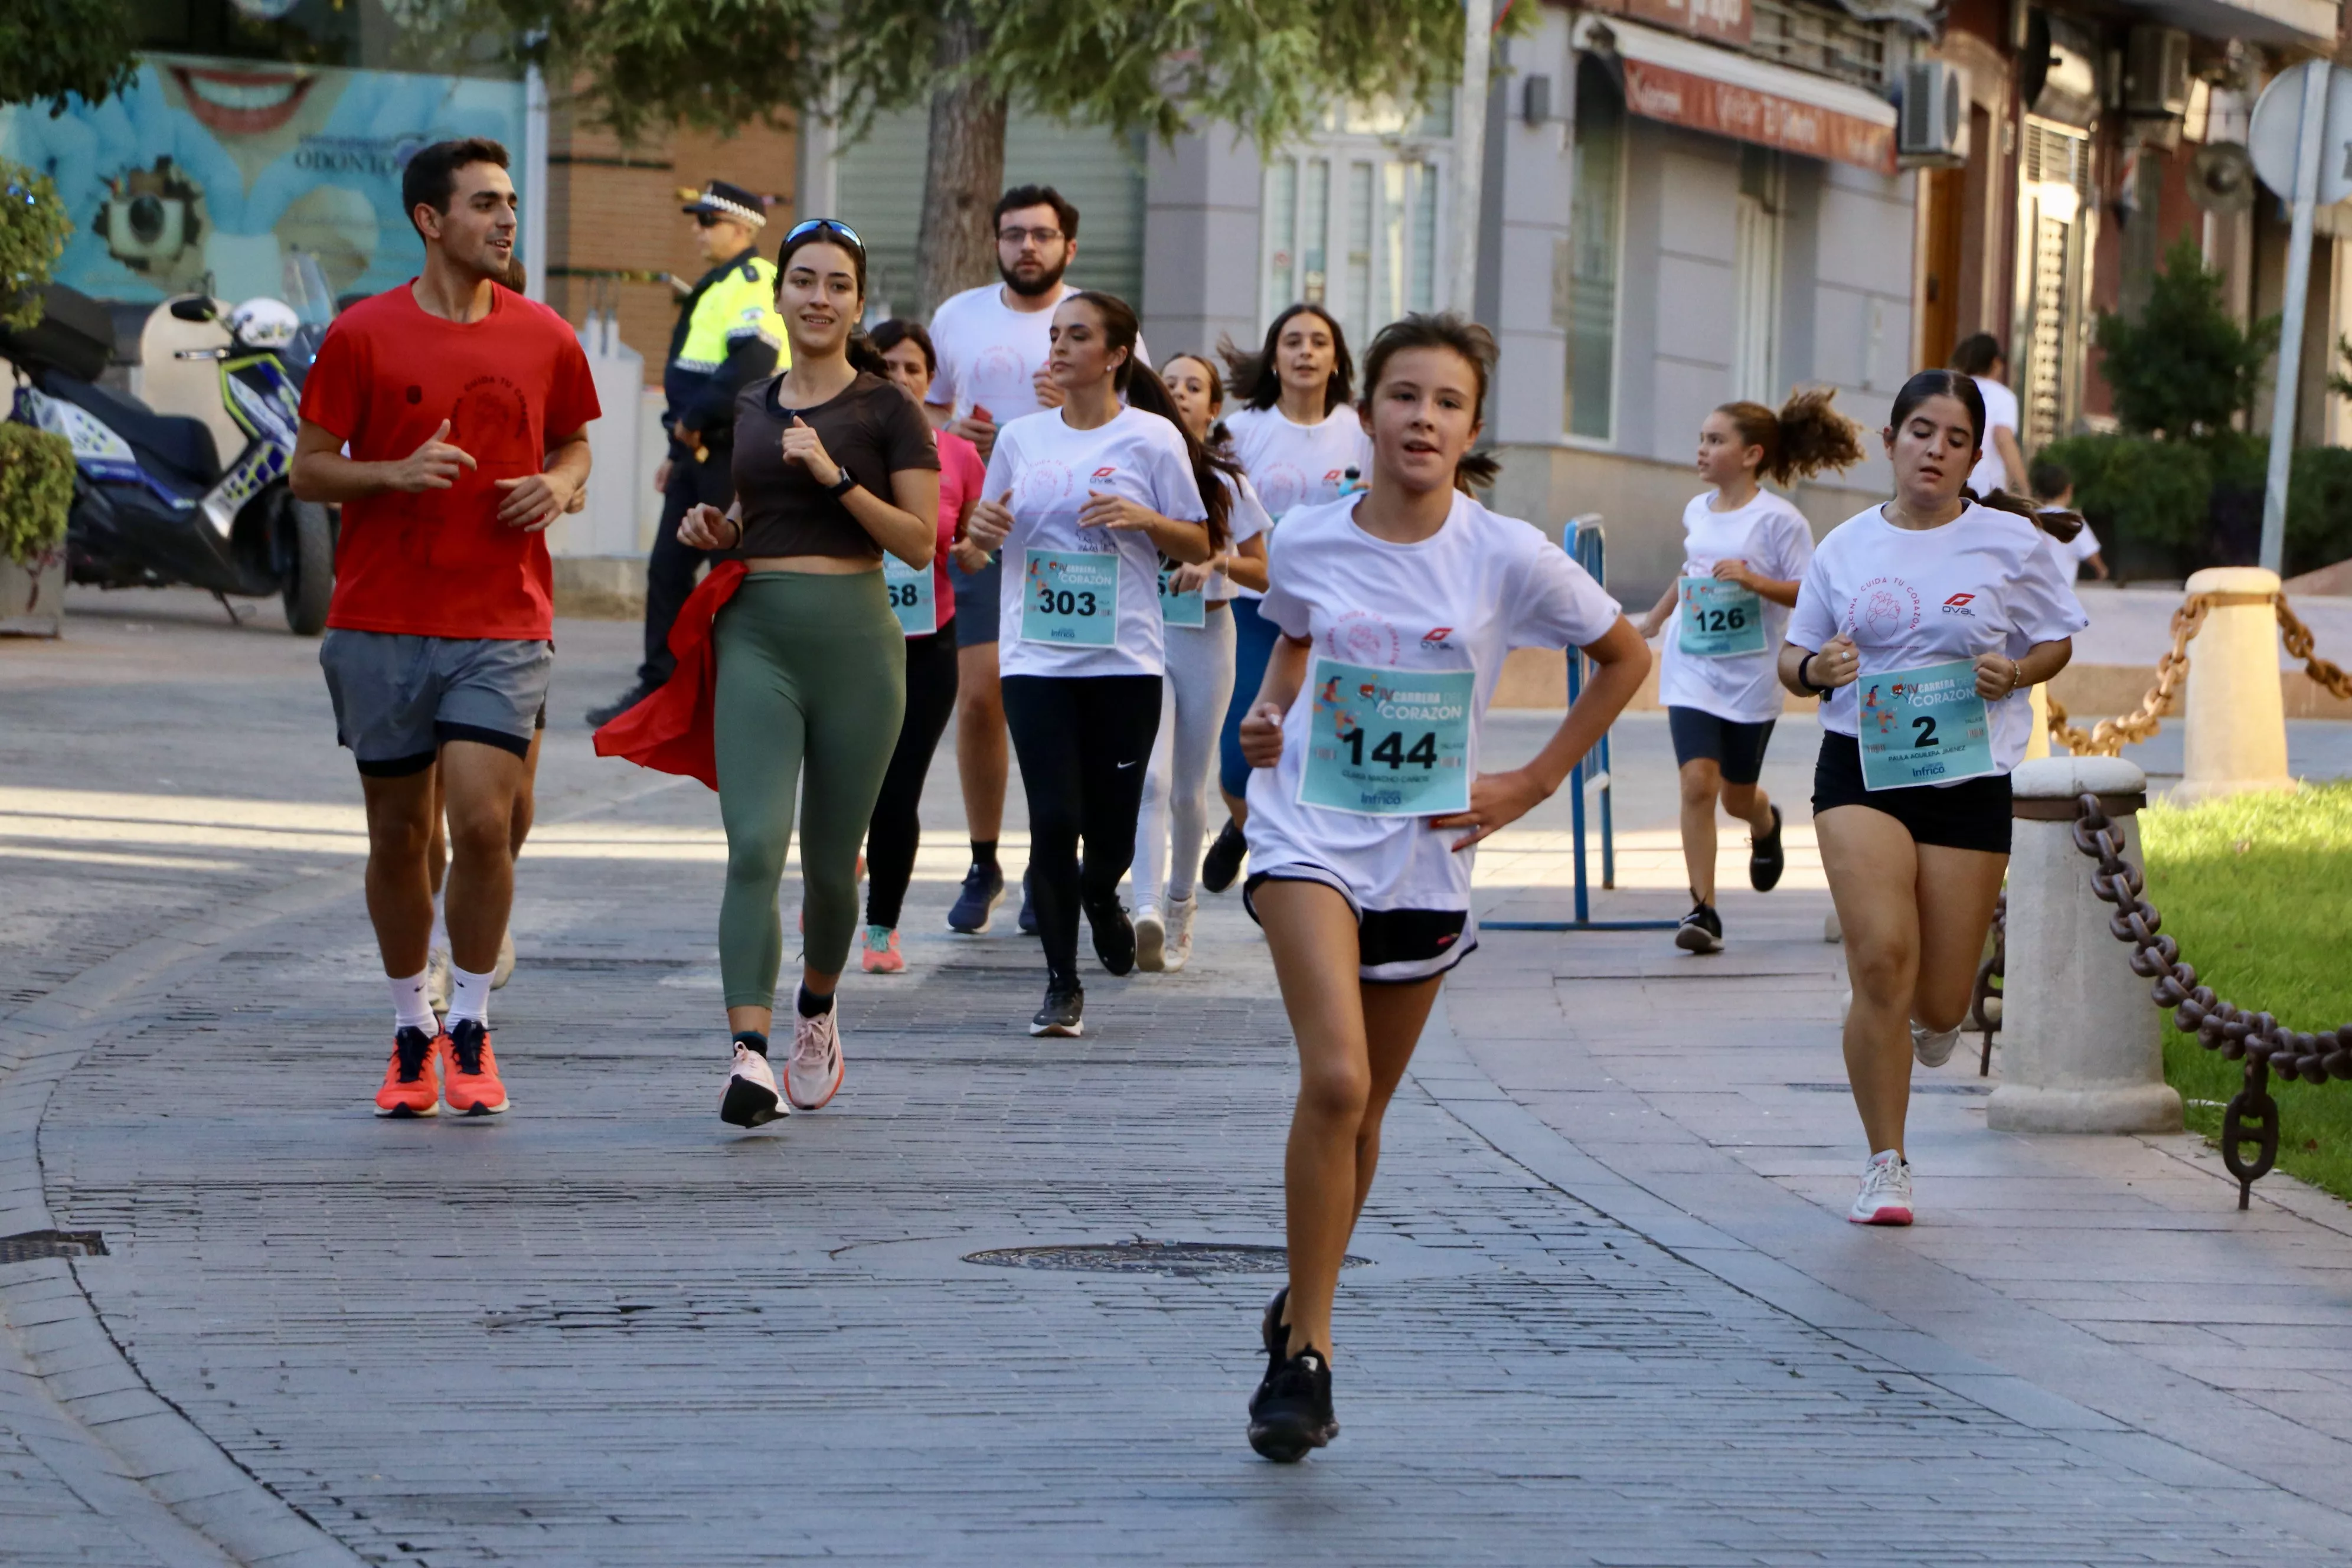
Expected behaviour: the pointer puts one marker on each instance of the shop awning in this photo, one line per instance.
(1683, 82)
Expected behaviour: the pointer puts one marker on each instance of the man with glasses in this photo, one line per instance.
(728, 336)
(992, 343)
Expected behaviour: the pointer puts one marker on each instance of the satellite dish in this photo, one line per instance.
(2222, 178)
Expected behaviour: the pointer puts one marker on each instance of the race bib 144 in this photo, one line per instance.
(1388, 742)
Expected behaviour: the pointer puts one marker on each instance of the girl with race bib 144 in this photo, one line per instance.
(1085, 499)
(1396, 608)
(1926, 621)
(1744, 548)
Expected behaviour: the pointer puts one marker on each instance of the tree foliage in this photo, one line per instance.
(52, 47)
(2184, 368)
(34, 228)
(1269, 68)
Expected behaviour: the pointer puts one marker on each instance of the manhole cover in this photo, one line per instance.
(25, 1246)
(1180, 1259)
(1916, 1087)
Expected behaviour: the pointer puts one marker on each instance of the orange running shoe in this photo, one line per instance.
(411, 1086)
(469, 1069)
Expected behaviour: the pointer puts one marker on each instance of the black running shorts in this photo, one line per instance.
(1971, 814)
(1735, 748)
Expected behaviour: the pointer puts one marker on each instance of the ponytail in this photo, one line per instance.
(865, 355)
(2056, 522)
(1149, 394)
(1807, 437)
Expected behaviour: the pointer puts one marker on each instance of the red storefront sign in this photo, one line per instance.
(1679, 98)
(1726, 21)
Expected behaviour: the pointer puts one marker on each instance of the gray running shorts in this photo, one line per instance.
(398, 697)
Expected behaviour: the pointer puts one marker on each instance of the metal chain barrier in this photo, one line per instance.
(2109, 736)
(2250, 1118)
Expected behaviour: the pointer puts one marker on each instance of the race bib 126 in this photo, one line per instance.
(1388, 742)
(1190, 609)
(1069, 598)
(1924, 726)
(912, 596)
(1719, 618)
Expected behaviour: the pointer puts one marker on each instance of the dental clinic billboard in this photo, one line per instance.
(221, 167)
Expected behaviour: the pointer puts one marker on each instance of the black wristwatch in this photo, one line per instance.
(842, 487)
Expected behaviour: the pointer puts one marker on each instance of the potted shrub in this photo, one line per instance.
(37, 468)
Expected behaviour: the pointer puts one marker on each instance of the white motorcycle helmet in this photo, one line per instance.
(263, 324)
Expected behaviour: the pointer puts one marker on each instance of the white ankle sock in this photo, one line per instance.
(469, 994)
(409, 1008)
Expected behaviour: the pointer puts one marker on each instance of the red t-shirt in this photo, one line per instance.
(960, 474)
(439, 564)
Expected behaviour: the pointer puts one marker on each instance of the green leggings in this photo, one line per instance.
(812, 670)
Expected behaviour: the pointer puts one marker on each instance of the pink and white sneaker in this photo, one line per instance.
(813, 1074)
(1885, 1195)
(881, 955)
(751, 1099)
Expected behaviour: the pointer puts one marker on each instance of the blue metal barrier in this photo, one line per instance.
(1587, 544)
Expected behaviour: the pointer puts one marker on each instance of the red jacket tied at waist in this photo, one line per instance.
(671, 732)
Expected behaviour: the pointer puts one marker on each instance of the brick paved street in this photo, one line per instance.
(1608, 1312)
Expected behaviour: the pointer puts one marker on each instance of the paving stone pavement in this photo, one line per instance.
(609, 1330)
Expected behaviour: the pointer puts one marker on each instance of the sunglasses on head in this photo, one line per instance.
(818, 225)
(709, 219)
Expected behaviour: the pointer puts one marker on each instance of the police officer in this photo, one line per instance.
(727, 335)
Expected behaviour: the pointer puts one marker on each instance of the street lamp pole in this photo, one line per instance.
(1470, 151)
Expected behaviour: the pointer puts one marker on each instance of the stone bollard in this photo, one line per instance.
(2037, 743)
(2235, 737)
(2082, 1043)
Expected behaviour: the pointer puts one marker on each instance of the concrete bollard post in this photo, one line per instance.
(2235, 737)
(2082, 1044)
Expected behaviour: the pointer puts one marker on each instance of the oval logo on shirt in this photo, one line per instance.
(1044, 486)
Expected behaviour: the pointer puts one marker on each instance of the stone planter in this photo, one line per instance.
(33, 596)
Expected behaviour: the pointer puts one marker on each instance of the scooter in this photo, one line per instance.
(153, 506)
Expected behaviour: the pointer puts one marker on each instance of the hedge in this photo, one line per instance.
(36, 475)
(2158, 495)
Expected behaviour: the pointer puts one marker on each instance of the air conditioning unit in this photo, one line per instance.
(2155, 73)
(1932, 129)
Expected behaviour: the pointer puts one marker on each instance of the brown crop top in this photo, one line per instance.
(873, 430)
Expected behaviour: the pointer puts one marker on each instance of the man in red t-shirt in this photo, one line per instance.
(449, 418)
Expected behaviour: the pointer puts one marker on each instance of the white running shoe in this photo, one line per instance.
(751, 1098)
(436, 980)
(1150, 939)
(813, 1074)
(503, 970)
(1180, 933)
(1885, 1195)
(1933, 1047)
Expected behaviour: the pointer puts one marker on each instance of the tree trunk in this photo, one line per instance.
(962, 174)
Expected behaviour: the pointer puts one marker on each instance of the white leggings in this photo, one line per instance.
(1175, 814)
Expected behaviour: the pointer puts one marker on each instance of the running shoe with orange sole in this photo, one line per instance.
(470, 1070)
(411, 1084)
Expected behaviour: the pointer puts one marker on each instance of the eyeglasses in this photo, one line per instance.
(1040, 238)
(818, 224)
(710, 219)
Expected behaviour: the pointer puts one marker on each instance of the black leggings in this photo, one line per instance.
(896, 830)
(1084, 744)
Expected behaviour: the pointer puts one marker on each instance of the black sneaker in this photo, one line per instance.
(1291, 1411)
(1028, 921)
(1223, 863)
(1064, 1014)
(1701, 930)
(1113, 935)
(600, 717)
(1765, 861)
(975, 907)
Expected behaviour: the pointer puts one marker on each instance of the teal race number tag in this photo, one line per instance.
(1388, 742)
(1924, 726)
(1721, 618)
(913, 596)
(1069, 598)
(1189, 609)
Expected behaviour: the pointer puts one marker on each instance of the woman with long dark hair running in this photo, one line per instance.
(1086, 499)
(1926, 621)
(833, 466)
(1298, 437)
(1194, 601)
(1396, 609)
(924, 601)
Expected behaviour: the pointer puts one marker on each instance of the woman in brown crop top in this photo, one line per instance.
(833, 465)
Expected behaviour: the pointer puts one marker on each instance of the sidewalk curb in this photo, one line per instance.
(1444, 1069)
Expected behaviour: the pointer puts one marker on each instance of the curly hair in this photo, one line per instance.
(1807, 437)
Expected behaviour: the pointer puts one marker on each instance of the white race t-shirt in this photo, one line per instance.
(1983, 583)
(1245, 519)
(1460, 599)
(989, 354)
(2078, 550)
(1050, 468)
(1990, 473)
(1772, 537)
(1298, 465)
